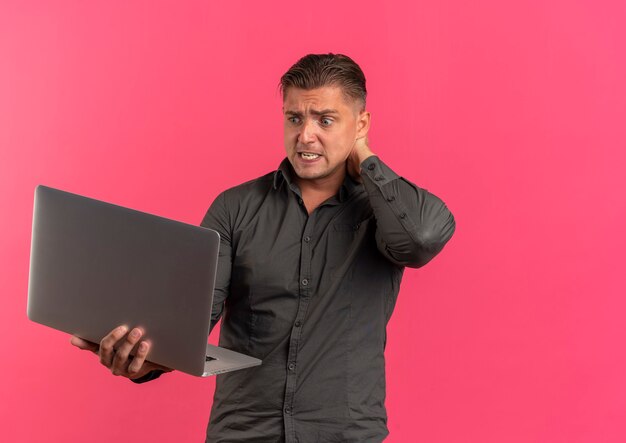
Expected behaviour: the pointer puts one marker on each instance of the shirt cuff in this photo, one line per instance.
(377, 172)
(155, 373)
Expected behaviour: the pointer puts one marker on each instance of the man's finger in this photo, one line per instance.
(120, 360)
(107, 344)
(140, 358)
(84, 344)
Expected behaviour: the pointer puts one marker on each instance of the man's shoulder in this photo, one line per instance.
(237, 200)
(247, 194)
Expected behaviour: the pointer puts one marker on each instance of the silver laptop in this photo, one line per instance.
(95, 265)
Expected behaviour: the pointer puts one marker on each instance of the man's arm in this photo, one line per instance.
(218, 219)
(413, 225)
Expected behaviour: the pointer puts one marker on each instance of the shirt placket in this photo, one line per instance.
(305, 291)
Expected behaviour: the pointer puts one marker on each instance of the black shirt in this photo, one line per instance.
(311, 295)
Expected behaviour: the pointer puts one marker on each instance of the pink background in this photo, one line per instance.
(513, 114)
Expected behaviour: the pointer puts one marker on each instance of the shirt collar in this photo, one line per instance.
(285, 173)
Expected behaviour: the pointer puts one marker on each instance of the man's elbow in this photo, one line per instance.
(416, 257)
(426, 244)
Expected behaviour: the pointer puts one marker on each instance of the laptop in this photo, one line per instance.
(96, 265)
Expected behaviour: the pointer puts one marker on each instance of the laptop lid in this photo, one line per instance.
(95, 265)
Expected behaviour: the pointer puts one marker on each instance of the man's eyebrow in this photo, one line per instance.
(324, 112)
(314, 112)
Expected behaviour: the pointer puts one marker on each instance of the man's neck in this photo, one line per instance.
(316, 191)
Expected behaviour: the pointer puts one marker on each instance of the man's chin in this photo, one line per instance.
(309, 173)
(316, 172)
(315, 175)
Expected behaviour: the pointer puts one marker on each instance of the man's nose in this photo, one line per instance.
(307, 132)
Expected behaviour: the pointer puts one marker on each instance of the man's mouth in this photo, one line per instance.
(308, 156)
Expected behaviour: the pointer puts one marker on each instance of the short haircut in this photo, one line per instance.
(317, 70)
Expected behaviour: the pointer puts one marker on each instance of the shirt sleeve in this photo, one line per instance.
(412, 225)
(156, 373)
(218, 219)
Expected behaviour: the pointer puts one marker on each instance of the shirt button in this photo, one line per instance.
(379, 178)
(403, 215)
(307, 239)
(300, 201)
(298, 324)
(391, 198)
(371, 167)
(291, 366)
(305, 282)
(287, 410)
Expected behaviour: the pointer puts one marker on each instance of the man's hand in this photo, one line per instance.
(360, 151)
(114, 352)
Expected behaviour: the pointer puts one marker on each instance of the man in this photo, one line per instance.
(311, 259)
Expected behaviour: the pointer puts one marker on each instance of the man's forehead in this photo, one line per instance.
(327, 98)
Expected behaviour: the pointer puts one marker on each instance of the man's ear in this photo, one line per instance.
(363, 124)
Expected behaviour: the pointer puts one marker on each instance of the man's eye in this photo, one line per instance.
(326, 122)
(293, 119)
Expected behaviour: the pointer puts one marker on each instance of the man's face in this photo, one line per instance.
(320, 128)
